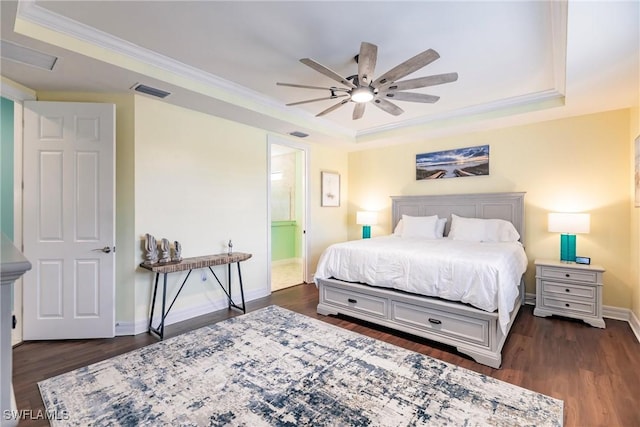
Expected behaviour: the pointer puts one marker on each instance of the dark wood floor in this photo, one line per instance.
(595, 371)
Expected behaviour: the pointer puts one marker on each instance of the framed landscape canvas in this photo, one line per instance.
(470, 161)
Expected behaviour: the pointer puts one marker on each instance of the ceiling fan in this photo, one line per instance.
(361, 88)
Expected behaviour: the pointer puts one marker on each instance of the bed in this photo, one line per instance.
(388, 280)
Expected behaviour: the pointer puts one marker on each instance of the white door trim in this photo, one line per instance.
(278, 140)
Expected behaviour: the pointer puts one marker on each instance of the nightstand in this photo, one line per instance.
(571, 290)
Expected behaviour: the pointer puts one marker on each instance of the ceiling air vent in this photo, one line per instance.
(158, 93)
(299, 134)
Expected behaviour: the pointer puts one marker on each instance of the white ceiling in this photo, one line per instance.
(517, 61)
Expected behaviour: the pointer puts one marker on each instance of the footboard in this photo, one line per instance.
(472, 331)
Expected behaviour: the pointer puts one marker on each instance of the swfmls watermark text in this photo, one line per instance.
(34, 414)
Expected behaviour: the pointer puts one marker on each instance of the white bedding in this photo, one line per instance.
(483, 274)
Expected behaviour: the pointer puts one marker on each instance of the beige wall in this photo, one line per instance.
(203, 180)
(579, 164)
(635, 217)
(329, 224)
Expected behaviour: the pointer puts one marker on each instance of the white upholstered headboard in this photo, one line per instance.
(507, 206)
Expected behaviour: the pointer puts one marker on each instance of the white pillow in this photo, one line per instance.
(398, 230)
(482, 230)
(440, 227)
(499, 230)
(440, 224)
(419, 226)
(467, 229)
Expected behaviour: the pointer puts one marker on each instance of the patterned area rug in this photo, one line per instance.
(274, 367)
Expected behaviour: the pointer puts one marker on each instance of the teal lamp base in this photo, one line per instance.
(366, 232)
(568, 247)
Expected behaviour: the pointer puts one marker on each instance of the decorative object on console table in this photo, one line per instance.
(330, 189)
(165, 251)
(366, 219)
(177, 252)
(568, 224)
(151, 250)
(570, 290)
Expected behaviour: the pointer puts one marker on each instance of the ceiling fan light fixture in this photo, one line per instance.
(362, 94)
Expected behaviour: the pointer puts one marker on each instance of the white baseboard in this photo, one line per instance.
(529, 299)
(131, 328)
(175, 316)
(616, 313)
(634, 322)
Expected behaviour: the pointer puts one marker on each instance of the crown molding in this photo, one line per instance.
(501, 108)
(235, 94)
(221, 89)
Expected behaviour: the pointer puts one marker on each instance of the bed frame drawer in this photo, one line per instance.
(442, 323)
(355, 301)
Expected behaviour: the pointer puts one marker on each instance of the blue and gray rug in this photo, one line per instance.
(274, 367)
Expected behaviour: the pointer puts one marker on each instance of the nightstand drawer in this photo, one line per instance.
(569, 306)
(562, 290)
(355, 301)
(568, 274)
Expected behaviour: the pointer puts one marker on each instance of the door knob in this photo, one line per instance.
(106, 249)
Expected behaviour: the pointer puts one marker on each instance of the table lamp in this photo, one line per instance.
(568, 224)
(366, 219)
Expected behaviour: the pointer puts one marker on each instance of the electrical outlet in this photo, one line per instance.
(203, 276)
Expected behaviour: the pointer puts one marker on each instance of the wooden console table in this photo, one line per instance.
(190, 264)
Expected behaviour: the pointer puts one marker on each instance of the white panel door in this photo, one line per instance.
(69, 220)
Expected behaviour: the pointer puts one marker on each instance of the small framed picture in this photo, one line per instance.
(330, 183)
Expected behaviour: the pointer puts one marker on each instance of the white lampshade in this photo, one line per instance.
(366, 218)
(571, 223)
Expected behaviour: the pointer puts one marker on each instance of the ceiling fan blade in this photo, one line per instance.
(358, 110)
(326, 71)
(315, 100)
(333, 107)
(367, 63)
(411, 97)
(407, 67)
(434, 80)
(387, 106)
(312, 87)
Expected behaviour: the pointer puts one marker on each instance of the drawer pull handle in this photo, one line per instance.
(567, 290)
(352, 301)
(567, 305)
(567, 275)
(435, 321)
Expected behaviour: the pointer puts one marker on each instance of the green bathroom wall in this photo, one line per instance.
(283, 240)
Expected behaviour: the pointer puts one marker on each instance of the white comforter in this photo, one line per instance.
(485, 275)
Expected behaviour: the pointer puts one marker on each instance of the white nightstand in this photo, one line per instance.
(571, 290)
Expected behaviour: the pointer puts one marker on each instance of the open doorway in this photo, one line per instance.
(288, 213)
